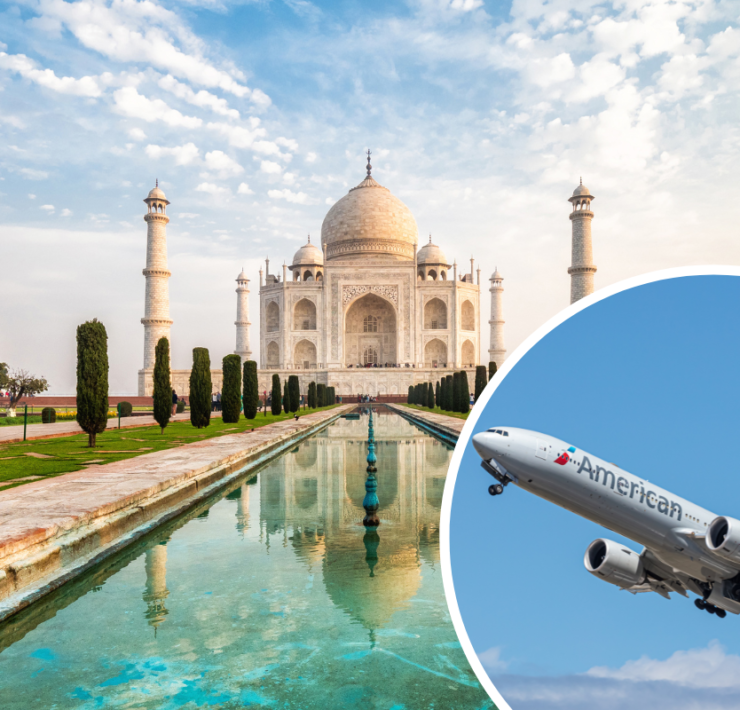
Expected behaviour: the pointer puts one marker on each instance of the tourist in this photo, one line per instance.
(213, 402)
(174, 402)
(218, 401)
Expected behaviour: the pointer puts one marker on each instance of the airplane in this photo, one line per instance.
(686, 548)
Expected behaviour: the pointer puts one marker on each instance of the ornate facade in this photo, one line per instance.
(368, 313)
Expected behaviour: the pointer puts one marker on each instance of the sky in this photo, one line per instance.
(648, 379)
(482, 116)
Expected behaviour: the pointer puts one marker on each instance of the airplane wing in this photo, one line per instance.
(660, 578)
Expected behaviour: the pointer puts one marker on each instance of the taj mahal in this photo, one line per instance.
(367, 311)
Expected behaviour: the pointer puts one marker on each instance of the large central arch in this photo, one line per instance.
(370, 327)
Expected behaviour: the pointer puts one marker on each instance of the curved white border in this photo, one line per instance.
(467, 430)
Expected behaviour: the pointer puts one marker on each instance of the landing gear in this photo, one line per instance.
(706, 606)
(495, 489)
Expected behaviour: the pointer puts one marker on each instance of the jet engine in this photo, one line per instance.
(723, 538)
(614, 563)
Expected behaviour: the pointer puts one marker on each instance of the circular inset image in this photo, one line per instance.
(591, 518)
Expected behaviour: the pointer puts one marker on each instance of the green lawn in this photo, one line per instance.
(50, 457)
(15, 421)
(437, 410)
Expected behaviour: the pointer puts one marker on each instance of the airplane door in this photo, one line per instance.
(541, 450)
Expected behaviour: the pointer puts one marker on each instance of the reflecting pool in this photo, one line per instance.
(271, 594)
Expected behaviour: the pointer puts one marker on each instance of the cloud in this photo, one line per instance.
(239, 136)
(31, 196)
(491, 660)
(244, 189)
(66, 213)
(212, 189)
(202, 98)
(141, 32)
(33, 174)
(267, 166)
(130, 102)
(221, 163)
(21, 64)
(300, 198)
(137, 134)
(49, 209)
(183, 154)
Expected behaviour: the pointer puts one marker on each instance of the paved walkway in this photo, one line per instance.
(52, 529)
(49, 431)
(452, 425)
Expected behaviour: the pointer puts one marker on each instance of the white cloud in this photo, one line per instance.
(491, 660)
(709, 667)
(466, 5)
(300, 198)
(33, 174)
(221, 163)
(31, 196)
(267, 166)
(311, 157)
(288, 143)
(202, 98)
(239, 136)
(183, 154)
(21, 64)
(244, 189)
(130, 102)
(49, 209)
(212, 189)
(137, 134)
(66, 213)
(288, 178)
(141, 32)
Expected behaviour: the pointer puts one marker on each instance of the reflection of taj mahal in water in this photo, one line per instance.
(311, 500)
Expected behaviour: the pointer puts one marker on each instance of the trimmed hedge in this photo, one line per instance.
(201, 389)
(48, 415)
(92, 379)
(125, 409)
(231, 400)
(251, 400)
(277, 395)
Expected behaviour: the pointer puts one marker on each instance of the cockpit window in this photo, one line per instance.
(498, 431)
(505, 433)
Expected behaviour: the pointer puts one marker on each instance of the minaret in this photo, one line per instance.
(242, 318)
(497, 351)
(582, 269)
(156, 318)
(156, 585)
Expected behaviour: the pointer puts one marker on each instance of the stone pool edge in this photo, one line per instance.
(445, 428)
(128, 522)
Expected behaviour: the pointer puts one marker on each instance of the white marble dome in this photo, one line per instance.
(308, 254)
(580, 191)
(431, 254)
(369, 221)
(156, 194)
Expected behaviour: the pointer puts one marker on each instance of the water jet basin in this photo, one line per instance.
(269, 594)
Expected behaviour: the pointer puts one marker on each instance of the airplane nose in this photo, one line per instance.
(479, 444)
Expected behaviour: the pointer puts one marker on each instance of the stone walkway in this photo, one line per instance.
(9, 434)
(53, 529)
(451, 425)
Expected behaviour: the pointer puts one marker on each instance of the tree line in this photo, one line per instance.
(451, 393)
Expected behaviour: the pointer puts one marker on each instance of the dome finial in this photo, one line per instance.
(430, 238)
(369, 167)
(309, 238)
(581, 181)
(156, 182)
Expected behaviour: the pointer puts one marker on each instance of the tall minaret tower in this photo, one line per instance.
(156, 318)
(156, 590)
(242, 318)
(497, 351)
(582, 269)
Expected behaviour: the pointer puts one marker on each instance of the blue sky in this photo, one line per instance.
(255, 116)
(649, 379)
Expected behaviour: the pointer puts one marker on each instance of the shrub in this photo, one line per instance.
(430, 395)
(320, 394)
(464, 393)
(286, 397)
(48, 415)
(180, 406)
(443, 393)
(312, 395)
(437, 395)
(329, 397)
(410, 398)
(294, 389)
(251, 390)
(480, 380)
(231, 399)
(125, 409)
(492, 369)
(450, 401)
(201, 389)
(277, 395)
(162, 389)
(92, 379)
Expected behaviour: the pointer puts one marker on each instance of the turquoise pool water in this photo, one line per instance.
(272, 594)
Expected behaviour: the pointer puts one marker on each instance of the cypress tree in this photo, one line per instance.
(443, 394)
(277, 394)
(430, 395)
(201, 389)
(320, 393)
(464, 393)
(410, 398)
(92, 379)
(251, 390)
(450, 393)
(295, 393)
(286, 397)
(162, 387)
(332, 396)
(480, 380)
(437, 395)
(455, 392)
(231, 392)
(417, 395)
(312, 395)
(492, 369)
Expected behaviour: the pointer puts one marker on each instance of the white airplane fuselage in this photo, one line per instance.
(672, 527)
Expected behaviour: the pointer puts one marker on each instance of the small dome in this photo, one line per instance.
(496, 276)
(156, 194)
(431, 254)
(243, 276)
(308, 254)
(582, 191)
